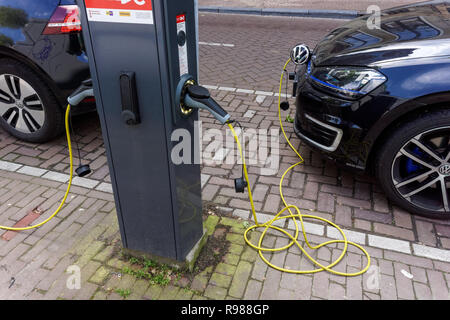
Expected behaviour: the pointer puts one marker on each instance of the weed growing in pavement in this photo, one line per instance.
(143, 268)
(289, 119)
(124, 293)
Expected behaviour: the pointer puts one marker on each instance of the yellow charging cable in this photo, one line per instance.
(294, 216)
(68, 187)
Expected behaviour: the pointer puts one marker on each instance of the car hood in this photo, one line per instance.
(408, 32)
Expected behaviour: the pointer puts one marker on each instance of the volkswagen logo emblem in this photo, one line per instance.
(445, 170)
(300, 54)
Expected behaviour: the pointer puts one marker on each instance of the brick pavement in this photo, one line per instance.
(84, 241)
(85, 231)
(350, 200)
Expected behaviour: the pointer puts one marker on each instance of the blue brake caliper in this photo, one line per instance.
(411, 166)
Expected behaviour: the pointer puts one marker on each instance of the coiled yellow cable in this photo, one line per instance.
(68, 186)
(294, 216)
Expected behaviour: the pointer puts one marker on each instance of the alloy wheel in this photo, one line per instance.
(421, 170)
(20, 105)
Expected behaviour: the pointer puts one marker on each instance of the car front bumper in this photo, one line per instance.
(333, 126)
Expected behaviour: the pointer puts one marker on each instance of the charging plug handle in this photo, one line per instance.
(240, 184)
(82, 92)
(199, 98)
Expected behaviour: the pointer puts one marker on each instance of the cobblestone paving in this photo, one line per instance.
(84, 238)
(85, 233)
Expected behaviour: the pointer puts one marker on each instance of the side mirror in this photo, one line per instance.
(300, 54)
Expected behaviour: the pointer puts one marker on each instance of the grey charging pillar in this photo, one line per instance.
(138, 50)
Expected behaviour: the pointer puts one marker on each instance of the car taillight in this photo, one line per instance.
(65, 19)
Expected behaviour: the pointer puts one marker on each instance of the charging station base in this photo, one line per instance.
(187, 264)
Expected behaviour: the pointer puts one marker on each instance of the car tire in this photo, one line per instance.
(29, 110)
(413, 165)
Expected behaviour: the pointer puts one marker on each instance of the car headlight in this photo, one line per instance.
(347, 82)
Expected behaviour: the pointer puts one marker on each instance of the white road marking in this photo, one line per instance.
(216, 44)
(227, 89)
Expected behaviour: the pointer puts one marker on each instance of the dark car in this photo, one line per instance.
(41, 63)
(378, 99)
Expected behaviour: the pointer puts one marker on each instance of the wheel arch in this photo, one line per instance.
(6, 52)
(405, 112)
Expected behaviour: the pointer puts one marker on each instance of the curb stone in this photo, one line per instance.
(310, 13)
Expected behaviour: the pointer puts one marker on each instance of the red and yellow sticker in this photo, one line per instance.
(120, 11)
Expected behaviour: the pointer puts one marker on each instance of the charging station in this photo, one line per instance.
(138, 51)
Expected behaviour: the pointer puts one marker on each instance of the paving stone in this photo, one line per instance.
(253, 290)
(259, 270)
(419, 274)
(394, 231)
(184, 295)
(235, 249)
(240, 279)
(231, 259)
(423, 292)
(387, 288)
(403, 284)
(153, 292)
(272, 203)
(100, 275)
(199, 283)
(402, 218)
(386, 267)
(372, 216)
(100, 295)
(343, 216)
(226, 269)
(311, 190)
(426, 233)
(216, 293)
(220, 280)
(168, 293)
(320, 286)
(326, 202)
(438, 285)
(271, 285)
(337, 292)
(292, 261)
(354, 287)
(442, 230)
(249, 254)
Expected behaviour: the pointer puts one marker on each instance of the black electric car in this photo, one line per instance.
(377, 98)
(41, 63)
